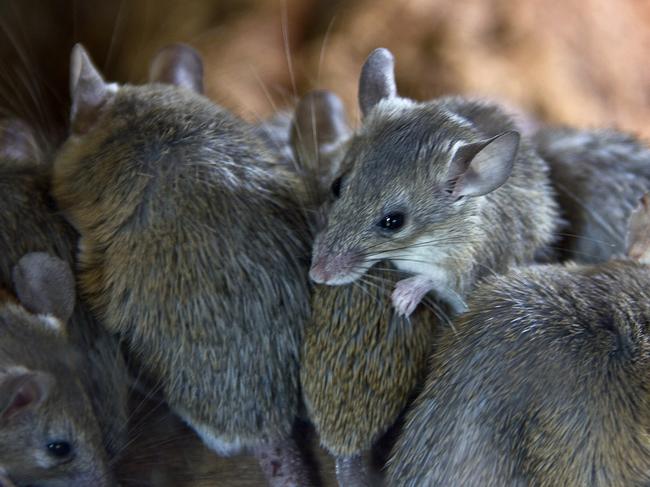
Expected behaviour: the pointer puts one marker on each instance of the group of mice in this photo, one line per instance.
(476, 289)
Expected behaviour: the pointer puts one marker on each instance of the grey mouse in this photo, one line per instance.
(543, 382)
(49, 433)
(30, 222)
(599, 176)
(360, 361)
(189, 253)
(446, 190)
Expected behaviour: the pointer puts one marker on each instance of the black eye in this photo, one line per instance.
(392, 221)
(336, 187)
(59, 449)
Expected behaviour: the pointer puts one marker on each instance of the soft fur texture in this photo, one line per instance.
(542, 383)
(188, 253)
(599, 177)
(29, 222)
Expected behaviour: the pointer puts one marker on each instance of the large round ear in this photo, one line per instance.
(88, 90)
(45, 285)
(22, 390)
(377, 80)
(319, 127)
(18, 141)
(480, 168)
(179, 65)
(638, 231)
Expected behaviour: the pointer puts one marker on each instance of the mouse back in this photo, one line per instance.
(542, 382)
(599, 175)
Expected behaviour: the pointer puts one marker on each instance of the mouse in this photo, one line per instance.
(30, 222)
(49, 433)
(599, 176)
(446, 190)
(361, 362)
(542, 382)
(190, 252)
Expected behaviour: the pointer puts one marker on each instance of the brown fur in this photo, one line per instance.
(187, 251)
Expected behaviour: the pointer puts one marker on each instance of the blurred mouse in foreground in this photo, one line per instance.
(543, 382)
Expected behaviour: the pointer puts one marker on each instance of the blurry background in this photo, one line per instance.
(580, 62)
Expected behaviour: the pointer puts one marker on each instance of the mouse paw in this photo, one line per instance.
(408, 293)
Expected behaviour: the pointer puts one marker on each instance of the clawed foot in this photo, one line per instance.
(408, 293)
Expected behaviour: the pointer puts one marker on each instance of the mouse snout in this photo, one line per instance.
(336, 270)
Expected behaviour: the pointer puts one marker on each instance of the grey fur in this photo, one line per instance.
(190, 254)
(29, 222)
(599, 176)
(543, 383)
(400, 161)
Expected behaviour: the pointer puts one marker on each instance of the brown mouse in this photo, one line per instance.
(49, 433)
(543, 382)
(188, 252)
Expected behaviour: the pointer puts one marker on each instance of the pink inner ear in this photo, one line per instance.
(27, 395)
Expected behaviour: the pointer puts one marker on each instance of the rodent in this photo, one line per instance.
(30, 222)
(49, 433)
(446, 190)
(360, 362)
(188, 252)
(599, 176)
(544, 382)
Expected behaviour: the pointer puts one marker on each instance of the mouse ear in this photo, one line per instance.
(179, 65)
(88, 90)
(377, 79)
(479, 168)
(45, 285)
(22, 390)
(319, 126)
(638, 231)
(18, 141)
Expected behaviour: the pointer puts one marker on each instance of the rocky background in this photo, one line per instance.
(580, 62)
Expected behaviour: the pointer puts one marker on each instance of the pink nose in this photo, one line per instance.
(326, 270)
(319, 272)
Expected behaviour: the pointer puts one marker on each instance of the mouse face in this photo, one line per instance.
(417, 173)
(399, 200)
(49, 435)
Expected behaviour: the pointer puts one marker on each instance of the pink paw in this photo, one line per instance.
(407, 295)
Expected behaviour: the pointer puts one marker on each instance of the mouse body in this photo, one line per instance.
(542, 382)
(49, 432)
(188, 252)
(360, 361)
(30, 222)
(599, 176)
(446, 190)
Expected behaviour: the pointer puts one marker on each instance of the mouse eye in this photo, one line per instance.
(392, 221)
(336, 187)
(59, 449)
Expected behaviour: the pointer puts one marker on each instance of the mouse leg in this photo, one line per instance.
(409, 292)
(352, 472)
(283, 464)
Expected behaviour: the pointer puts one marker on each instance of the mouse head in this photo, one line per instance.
(49, 435)
(418, 173)
(119, 133)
